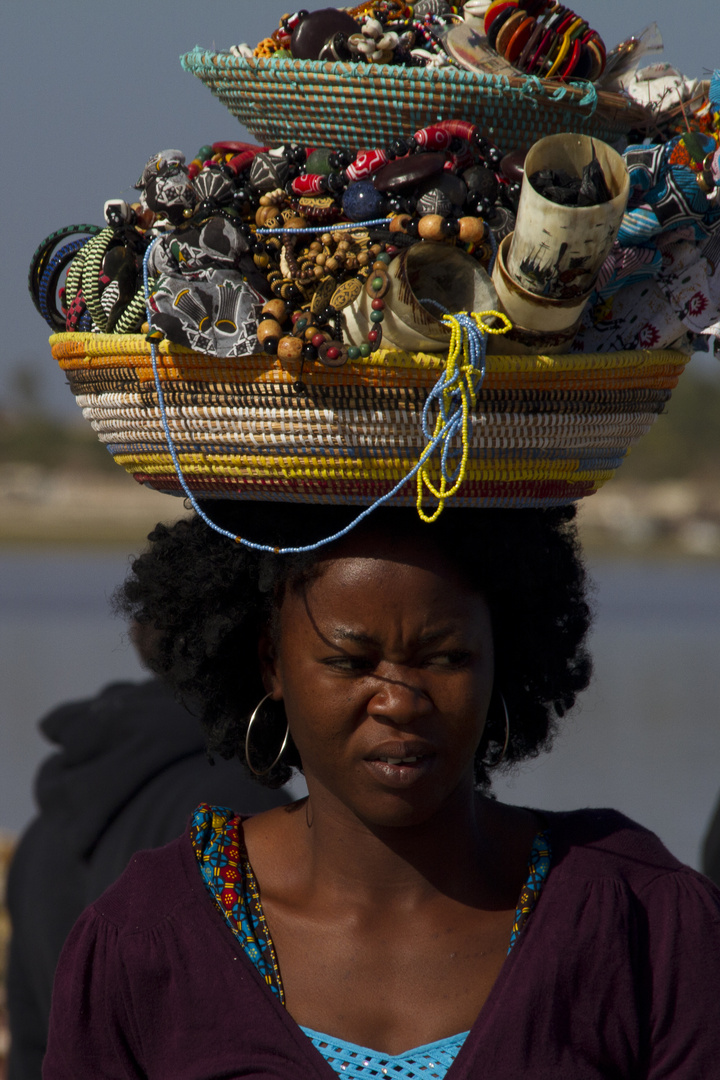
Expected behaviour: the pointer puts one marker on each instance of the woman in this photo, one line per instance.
(399, 921)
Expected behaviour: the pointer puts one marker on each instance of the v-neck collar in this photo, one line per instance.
(457, 1069)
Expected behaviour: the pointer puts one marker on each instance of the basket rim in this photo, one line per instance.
(100, 345)
(522, 86)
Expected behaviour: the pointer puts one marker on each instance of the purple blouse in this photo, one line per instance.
(616, 975)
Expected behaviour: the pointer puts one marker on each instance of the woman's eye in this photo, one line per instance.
(454, 658)
(348, 663)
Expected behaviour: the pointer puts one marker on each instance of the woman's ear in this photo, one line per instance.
(267, 655)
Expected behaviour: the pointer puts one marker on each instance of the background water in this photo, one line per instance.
(645, 738)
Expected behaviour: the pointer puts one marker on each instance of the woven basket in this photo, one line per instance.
(547, 430)
(354, 105)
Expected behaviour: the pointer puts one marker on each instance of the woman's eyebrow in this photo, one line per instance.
(344, 633)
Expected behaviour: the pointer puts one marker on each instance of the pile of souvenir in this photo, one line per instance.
(447, 312)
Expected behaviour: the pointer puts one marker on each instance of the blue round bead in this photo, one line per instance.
(362, 201)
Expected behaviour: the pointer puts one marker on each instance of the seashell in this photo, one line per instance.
(388, 41)
(372, 28)
(476, 8)
(428, 272)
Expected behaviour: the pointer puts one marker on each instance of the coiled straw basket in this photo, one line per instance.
(547, 430)
(353, 105)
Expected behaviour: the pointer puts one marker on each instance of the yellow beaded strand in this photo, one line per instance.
(463, 377)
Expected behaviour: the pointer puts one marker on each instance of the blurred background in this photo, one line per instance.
(89, 92)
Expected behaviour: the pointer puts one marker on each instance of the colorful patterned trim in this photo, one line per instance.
(216, 838)
(538, 870)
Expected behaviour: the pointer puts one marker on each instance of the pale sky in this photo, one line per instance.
(90, 90)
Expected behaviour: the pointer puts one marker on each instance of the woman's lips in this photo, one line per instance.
(399, 773)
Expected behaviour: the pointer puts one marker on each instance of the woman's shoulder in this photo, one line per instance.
(605, 844)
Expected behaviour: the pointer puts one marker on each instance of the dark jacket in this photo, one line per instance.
(129, 770)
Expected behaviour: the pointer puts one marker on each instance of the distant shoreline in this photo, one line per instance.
(39, 506)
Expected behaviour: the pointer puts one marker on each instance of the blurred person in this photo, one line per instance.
(711, 848)
(129, 768)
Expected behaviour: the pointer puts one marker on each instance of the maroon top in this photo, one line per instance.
(616, 975)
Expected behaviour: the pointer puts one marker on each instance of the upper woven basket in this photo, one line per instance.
(355, 105)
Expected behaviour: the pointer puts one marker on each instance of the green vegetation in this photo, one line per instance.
(39, 439)
(684, 441)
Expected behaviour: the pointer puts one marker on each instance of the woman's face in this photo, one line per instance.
(384, 663)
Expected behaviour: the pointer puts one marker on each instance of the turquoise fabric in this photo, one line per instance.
(429, 1062)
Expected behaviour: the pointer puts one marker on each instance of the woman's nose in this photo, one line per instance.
(399, 698)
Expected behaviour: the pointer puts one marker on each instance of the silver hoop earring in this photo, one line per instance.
(497, 761)
(248, 762)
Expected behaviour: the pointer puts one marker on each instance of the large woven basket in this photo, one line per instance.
(546, 431)
(354, 105)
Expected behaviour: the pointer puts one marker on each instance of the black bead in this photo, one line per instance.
(329, 313)
(411, 228)
(270, 345)
(390, 153)
(334, 162)
(450, 227)
(346, 157)
(336, 182)
(300, 155)
(455, 145)
(309, 351)
(299, 387)
(292, 293)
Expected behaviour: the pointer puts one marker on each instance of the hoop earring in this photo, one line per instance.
(494, 764)
(248, 762)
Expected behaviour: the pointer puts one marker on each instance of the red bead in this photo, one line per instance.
(193, 170)
(377, 304)
(373, 336)
(332, 353)
(390, 249)
(295, 316)
(317, 340)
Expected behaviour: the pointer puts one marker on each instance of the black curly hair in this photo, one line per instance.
(204, 601)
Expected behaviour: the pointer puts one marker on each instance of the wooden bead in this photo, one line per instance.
(294, 222)
(268, 328)
(431, 227)
(290, 349)
(472, 230)
(398, 222)
(276, 309)
(265, 214)
(310, 332)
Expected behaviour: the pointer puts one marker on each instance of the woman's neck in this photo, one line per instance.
(472, 850)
